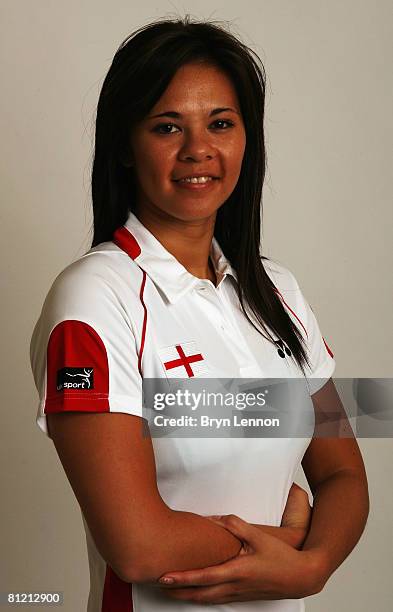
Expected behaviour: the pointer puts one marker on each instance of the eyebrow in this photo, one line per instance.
(176, 115)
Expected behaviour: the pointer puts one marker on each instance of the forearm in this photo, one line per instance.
(340, 511)
(293, 536)
(181, 541)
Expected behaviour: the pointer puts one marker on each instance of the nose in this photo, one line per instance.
(196, 146)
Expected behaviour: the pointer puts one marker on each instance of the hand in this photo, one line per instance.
(297, 514)
(266, 568)
(296, 520)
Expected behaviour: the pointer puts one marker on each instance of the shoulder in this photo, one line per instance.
(283, 279)
(101, 280)
(289, 291)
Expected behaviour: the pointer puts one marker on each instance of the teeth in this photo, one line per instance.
(199, 179)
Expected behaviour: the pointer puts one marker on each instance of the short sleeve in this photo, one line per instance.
(83, 352)
(320, 355)
(322, 363)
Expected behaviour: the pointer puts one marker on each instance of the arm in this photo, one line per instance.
(295, 521)
(111, 469)
(335, 472)
(270, 569)
(294, 536)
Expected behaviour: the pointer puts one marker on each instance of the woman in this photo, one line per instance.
(174, 287)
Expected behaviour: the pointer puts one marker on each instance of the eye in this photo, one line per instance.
(224, 121)
(161, 127)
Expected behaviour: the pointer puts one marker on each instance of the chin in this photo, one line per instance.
(194, 212)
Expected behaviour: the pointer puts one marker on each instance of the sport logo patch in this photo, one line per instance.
(75, 378)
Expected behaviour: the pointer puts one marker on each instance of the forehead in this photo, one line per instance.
(195, 85)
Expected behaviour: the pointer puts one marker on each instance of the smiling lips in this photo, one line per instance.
(200, 176)
(197, 183)
(196, 179)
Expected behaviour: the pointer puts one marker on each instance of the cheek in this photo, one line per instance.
(234, 157)
(153, 163)
(234, 148)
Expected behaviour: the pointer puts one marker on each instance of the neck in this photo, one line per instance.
(188, 241)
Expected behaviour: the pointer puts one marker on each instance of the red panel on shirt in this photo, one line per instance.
(117, 595)
(77, 369)
(123, 238)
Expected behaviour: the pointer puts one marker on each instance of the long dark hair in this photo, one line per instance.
(141, 70)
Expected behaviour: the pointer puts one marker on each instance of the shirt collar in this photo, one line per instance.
(160, 265)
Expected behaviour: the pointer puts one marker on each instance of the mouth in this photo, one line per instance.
(197, 180)
(197, 184)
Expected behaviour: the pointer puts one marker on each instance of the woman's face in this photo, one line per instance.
(194, 135)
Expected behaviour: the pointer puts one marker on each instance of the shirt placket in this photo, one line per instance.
(216, 305)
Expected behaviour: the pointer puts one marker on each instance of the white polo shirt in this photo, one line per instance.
(128, 310)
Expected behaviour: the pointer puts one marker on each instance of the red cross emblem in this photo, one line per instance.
(183, 360)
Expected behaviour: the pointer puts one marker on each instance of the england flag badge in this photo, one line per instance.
(183, 360)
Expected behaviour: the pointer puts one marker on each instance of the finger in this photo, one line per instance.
(204, 595)
(297, 511)
(242, 530)
(295, 486)
(214, 574)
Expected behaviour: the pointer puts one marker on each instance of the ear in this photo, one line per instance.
(126, 161)
(125, 158)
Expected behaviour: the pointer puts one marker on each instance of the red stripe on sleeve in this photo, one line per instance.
(289, 308)
(77, 369)
(328, 348)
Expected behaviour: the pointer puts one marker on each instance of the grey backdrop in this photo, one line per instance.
(328, 217)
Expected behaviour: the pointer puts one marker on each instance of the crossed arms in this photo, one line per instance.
(111, 468)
